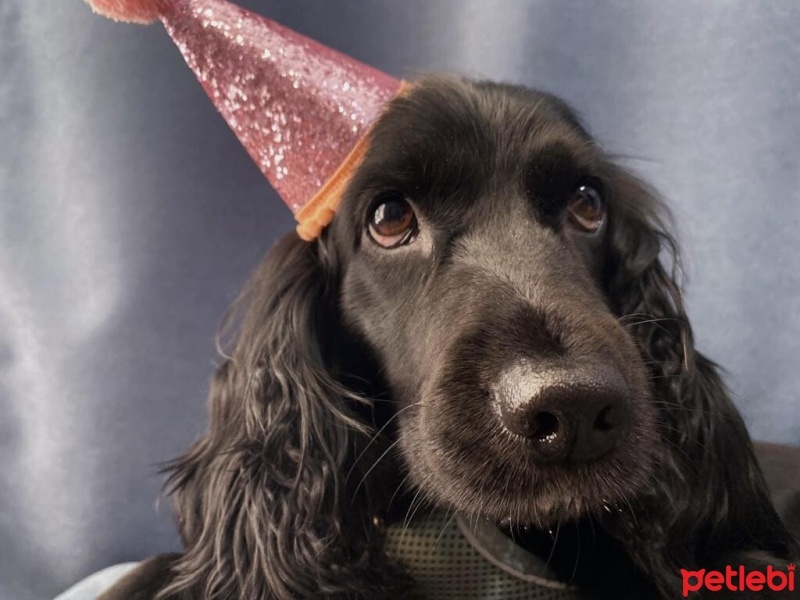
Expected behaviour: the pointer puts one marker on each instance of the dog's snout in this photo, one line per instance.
(576, 418)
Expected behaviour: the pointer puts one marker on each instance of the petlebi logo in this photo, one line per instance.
(738, 580)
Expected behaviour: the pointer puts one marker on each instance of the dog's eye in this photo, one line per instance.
(586, 209)
(392, 221)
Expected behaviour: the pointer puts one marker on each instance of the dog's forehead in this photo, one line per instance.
(454, 136)
(447, 114)
(456, 132)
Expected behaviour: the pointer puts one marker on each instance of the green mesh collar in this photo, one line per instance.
(454, 559)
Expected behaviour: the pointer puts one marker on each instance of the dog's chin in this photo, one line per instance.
(550, 510)
(547, 495)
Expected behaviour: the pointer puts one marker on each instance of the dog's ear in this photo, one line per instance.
(708, 496)
(265, 507)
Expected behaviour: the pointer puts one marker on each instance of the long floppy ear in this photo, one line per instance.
(265, 507)
(709, 503)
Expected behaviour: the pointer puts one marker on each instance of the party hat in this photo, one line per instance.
(302, 110)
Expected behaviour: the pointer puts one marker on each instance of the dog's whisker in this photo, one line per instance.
(553, 547)
(675, 406)
(400, 486)
(688, 461)
(375, 464)
(633, 512)
(577, 558)
(409, 513)
(646, 321)
(686, 435)
(448, 520)
(637, 315)
(375, 437)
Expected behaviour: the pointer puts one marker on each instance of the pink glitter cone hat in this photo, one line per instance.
(301, 109)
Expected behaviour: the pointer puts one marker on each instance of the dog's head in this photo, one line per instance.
(486, 322)
(475, 249)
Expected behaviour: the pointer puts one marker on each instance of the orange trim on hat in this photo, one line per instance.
(320, 210)
(318, 213)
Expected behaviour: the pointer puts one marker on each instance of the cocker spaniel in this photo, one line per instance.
(492, 327)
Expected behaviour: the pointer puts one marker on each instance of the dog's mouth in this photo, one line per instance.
(617, 515)
(521, 493)
(603, 491)
(467, 461)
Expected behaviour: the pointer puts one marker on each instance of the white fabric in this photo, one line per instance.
(97, 583)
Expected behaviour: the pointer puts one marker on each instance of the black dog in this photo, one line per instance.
(488, 325)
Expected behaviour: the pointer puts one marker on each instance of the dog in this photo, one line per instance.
(492, 325)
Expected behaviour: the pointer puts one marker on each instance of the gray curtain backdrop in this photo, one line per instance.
(130, 217)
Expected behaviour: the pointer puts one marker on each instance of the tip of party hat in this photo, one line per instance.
(301, 110)
(143, 12)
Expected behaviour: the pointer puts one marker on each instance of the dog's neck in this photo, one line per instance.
(575, 554)
(585, 553)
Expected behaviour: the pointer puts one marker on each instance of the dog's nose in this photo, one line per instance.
(567, 420)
